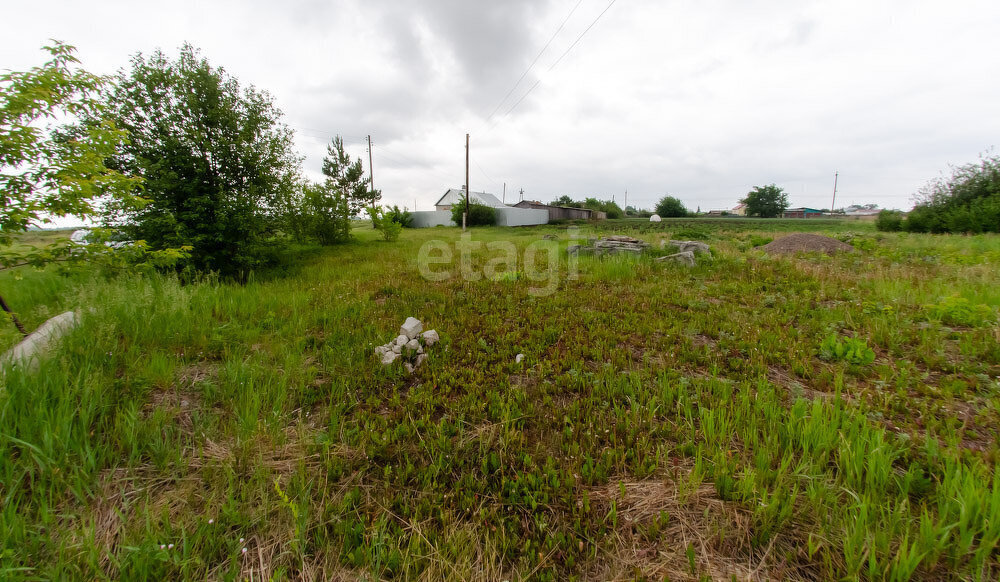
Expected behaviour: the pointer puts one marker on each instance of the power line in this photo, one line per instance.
(557, 61)
(538, 56)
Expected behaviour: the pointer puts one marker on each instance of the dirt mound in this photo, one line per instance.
(805, 243)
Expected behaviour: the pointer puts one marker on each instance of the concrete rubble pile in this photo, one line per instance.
(409, 345)
(686, 251)
(610, 245)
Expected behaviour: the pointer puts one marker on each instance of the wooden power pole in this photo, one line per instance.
(834, 201)
(466, 213)
(371, 168)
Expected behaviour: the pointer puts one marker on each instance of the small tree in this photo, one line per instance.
(349, 177)
(324, 213)
(383, 222)
(670, 207)
(766, 201)
(565, 200)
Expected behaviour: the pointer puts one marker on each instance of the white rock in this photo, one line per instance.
(397, 349)
(518, 358)
(654, 218)
(413, 344)
(380, 351)
(411, 328)
(401, 340)
(420, 360)
(431, 337)
(389, 358)
(409, 367)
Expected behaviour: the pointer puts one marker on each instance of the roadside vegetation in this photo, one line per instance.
(808, 417)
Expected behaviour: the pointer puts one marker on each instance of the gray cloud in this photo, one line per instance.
(702, 101)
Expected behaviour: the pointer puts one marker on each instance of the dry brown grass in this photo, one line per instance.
(718, 532)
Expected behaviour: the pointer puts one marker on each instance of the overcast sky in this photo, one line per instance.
(700, 100)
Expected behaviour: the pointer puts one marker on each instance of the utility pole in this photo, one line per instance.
(371, 168)
(466, 213)
(626, 202)
(505, 192)
(834, 201)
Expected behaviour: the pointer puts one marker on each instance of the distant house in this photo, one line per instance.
(563, 212)
(802, 213)
(457, 196)
(861, 211)
(739, 210)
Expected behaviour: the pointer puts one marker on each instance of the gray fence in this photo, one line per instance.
(521, 216)
(505, 217)
(428, 218)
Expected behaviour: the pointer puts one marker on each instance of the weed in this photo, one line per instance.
(955, 310)
(848, 349)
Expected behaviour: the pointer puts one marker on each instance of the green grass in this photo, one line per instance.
(665, 422)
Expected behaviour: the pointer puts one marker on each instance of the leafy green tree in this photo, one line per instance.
(671, 207)
(607, 206)
(218, 164)
(766, 201)
(565, 200)
(48, 170)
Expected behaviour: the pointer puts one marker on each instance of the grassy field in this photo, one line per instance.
(803, 418)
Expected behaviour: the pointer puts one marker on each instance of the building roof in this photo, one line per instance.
(803, 210)
(457, 196)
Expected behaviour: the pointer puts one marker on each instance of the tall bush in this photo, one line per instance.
(968, 201)
(889, 221)
(479, 214)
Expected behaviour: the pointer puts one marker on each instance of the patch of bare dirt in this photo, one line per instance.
(805, 243)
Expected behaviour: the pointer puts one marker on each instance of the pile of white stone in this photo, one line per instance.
(409, 345)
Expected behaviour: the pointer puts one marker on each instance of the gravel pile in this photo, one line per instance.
(805, 243)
